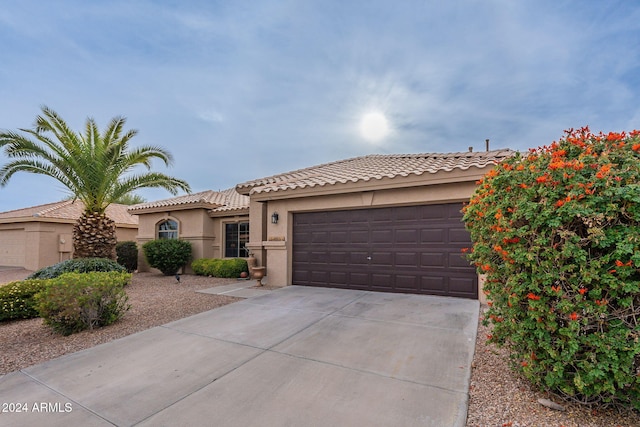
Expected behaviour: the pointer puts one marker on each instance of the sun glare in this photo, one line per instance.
(374, 126)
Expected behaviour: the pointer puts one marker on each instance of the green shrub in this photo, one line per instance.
(74, 302)
(205, 266)
(228, 268)
(127, 255)
(17, 299)
(77, 265)
(557, 233)
(167, 255)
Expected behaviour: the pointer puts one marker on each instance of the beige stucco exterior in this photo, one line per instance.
(197, 226)
(272, 243)
(34, 244)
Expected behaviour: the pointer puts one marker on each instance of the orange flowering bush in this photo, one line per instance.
(556, 231)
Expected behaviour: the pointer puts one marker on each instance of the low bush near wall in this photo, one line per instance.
(229, 268)
(78, 265)
(167, 255)
(557, 233)
(127, 255)
(17, 299)
(74, 302)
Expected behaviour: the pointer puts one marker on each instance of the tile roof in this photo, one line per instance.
(234, 201)
(376, 166)
(218, 201)
(69, 210)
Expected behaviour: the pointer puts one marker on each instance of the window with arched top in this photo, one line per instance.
(168, 229)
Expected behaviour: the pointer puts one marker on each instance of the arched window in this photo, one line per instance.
(168, 229)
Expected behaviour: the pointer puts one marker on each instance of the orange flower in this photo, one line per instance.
(533, 296)
(486, 267)
(636, 147)
(555, 288)
(574, 316)
(582, 291)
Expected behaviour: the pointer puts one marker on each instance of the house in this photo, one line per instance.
(388, 223)
(40, 236)
(215, 222)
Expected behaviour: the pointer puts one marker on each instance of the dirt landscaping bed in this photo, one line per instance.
(155, 300)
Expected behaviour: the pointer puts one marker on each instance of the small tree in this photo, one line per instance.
(97, 168)
(557, 233)
(167, 255)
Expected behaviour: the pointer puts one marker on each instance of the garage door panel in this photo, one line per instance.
(407, 236)
(338, 257)
(458, 260)
(338, 237)
(461, 286)
(432, 260)
(407, 259)
(358, 279)
(458, 235)
(413, 249)
(379, 215)
(381, 281)
(433, 235)
(338, 277)
(359, 258)
(434, 213)
(433, 284)
(359, 236)
(407, 283)
(381, 236)
(381, 258)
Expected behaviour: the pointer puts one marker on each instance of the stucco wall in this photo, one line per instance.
(205, 233)
(43, 243)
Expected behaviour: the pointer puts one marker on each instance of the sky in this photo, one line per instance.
(239, 90)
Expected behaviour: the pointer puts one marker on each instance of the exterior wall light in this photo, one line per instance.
(274, 218)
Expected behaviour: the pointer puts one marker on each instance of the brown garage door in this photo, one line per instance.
(409, 249)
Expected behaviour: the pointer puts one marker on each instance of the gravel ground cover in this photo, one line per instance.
(497, 397)
(155, 300)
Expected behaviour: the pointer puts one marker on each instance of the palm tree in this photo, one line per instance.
(96, 168)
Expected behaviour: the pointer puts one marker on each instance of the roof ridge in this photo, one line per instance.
(56, 206)
(299, 170)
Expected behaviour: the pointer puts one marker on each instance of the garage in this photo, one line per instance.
(406, 249)
(12, 247)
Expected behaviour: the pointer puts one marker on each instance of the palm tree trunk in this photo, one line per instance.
(94, 236)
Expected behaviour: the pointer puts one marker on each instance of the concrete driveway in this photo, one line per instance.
(297, 356)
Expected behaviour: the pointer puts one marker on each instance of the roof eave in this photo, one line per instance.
(229, 213)
(172, 208)
(456, 175)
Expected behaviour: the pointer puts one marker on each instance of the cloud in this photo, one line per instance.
(238, 90)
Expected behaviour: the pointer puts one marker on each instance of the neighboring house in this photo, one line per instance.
(215, 222)
(40, 236)
(388, 223)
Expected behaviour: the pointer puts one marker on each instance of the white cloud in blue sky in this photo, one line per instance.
(239, 90)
